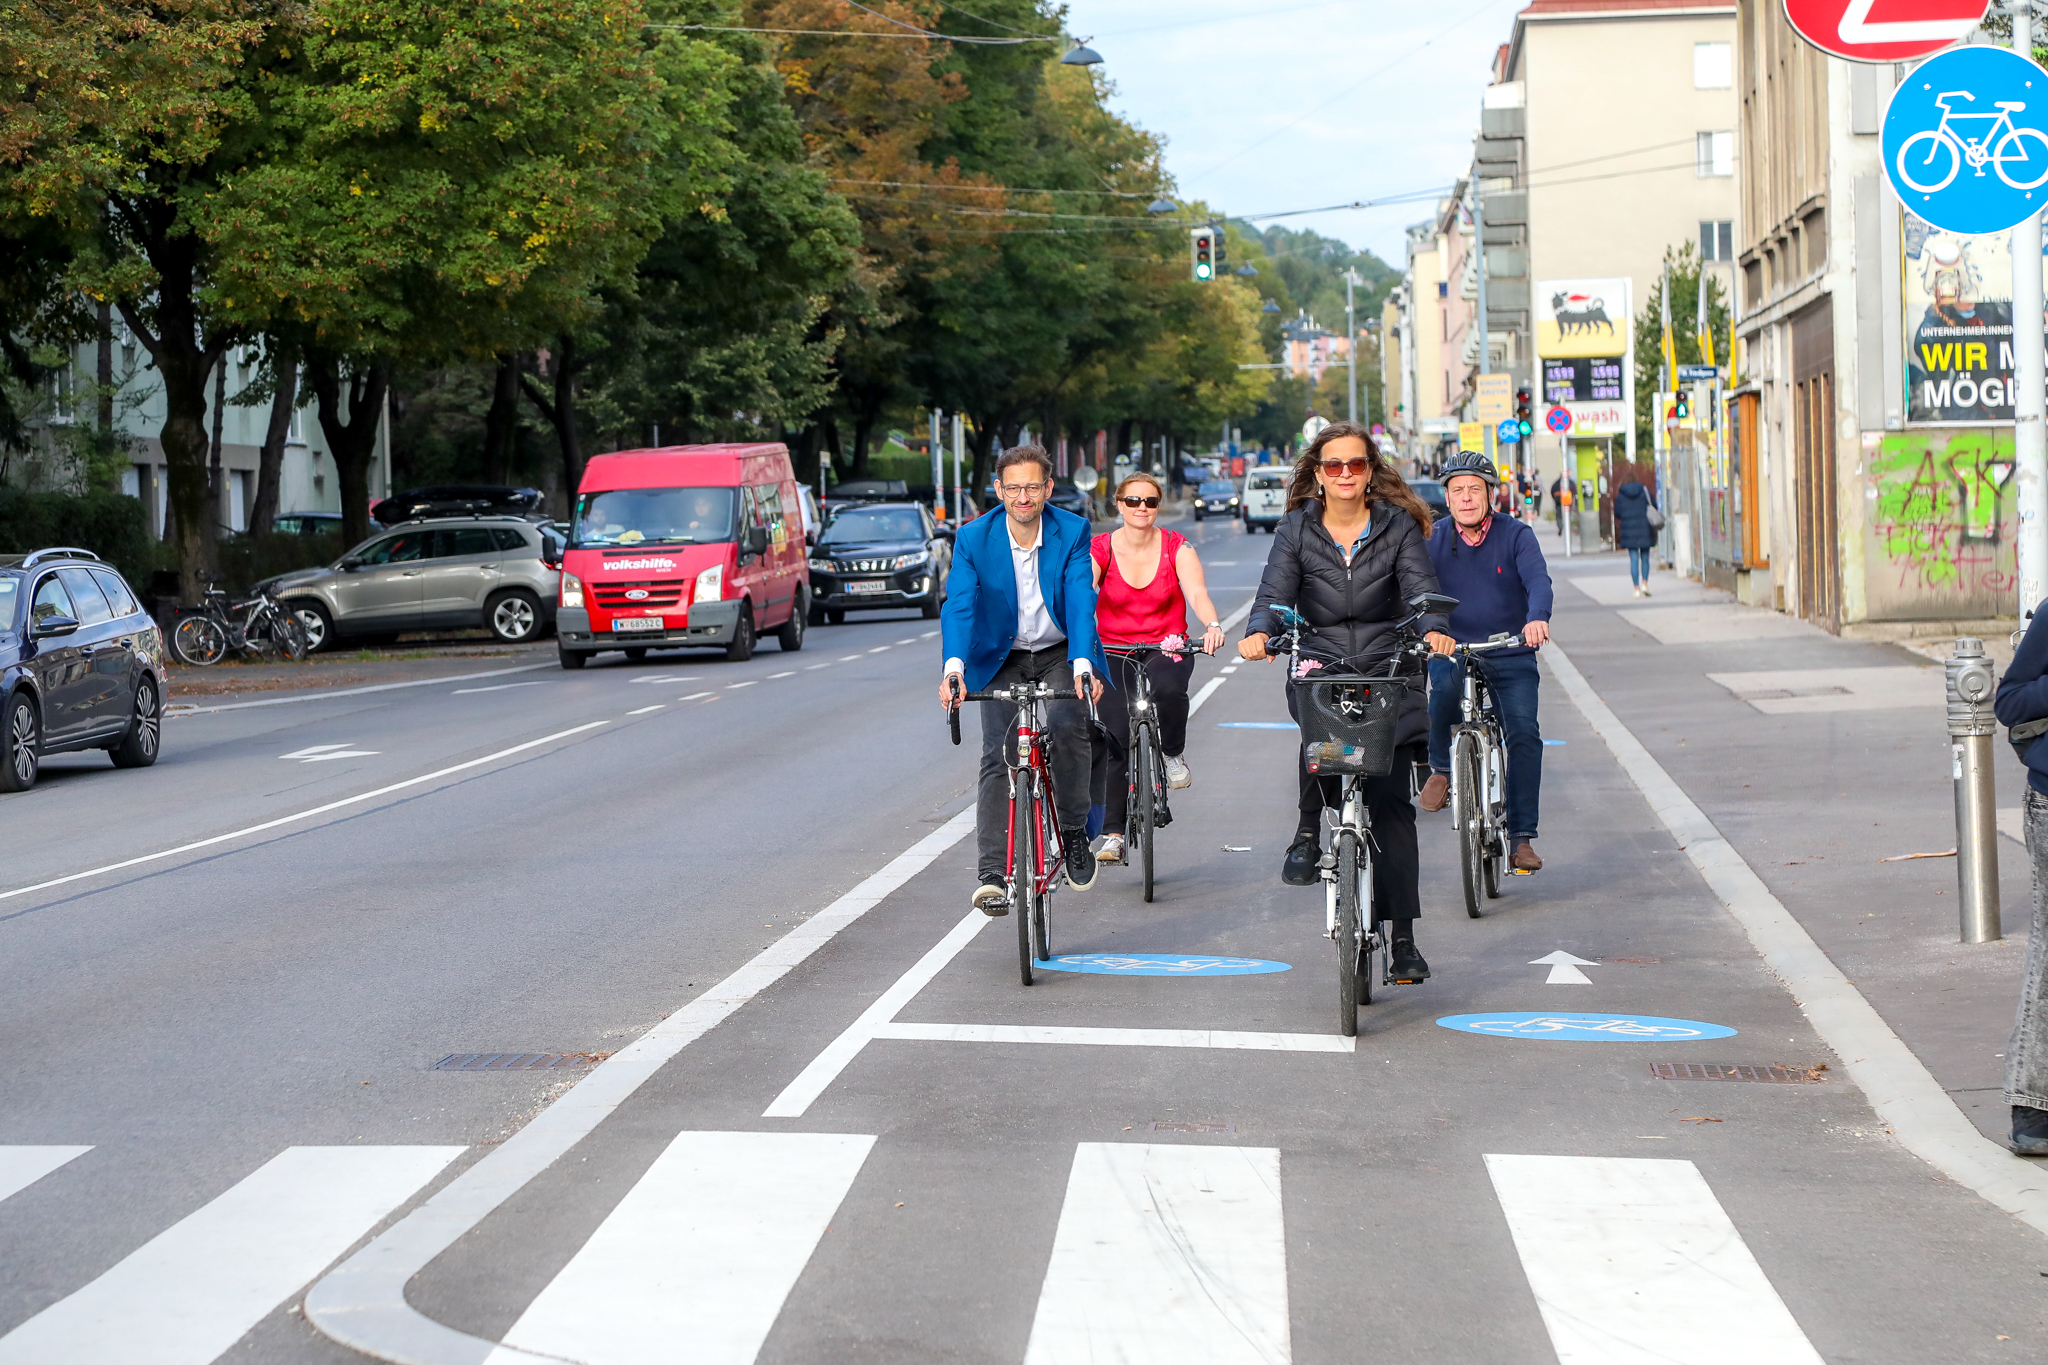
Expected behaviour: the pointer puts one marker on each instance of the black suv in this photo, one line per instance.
(878, 555)
(81, 665)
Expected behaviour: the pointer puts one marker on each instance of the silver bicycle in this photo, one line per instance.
(1479, 778)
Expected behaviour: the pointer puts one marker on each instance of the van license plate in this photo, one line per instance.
(868, 585)
(626, 623)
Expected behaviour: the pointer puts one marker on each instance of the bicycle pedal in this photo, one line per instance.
(1408, 981)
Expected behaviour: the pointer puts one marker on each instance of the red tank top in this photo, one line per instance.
(1125, 615)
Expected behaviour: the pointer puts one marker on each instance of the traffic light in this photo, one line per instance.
(1523, 413)
(1683, 412)
(1202, 253)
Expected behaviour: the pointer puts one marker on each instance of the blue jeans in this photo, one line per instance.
(1639, 566)
(1515, 682)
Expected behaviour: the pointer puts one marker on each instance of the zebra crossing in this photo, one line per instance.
(1161, 1253)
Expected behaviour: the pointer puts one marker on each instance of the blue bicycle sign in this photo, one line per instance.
(1966, 139)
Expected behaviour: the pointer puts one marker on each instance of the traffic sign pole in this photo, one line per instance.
(2030, 379)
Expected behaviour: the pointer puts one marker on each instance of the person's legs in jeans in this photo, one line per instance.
(1446, 703)
(1070, 757)
(2026, 1054)
(992, 794)
(1516, 683)
(1638, 566)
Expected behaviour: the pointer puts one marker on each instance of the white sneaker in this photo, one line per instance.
(1177, 774)
(1646, 589)
(1112, 850)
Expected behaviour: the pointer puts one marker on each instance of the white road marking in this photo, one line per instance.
(1203, 693)
(21, 1167)
(773, 676)
(879, 649)
(1222, 564)
(667, 678)
(282, 820)
(927, 635)
(748, 683)
(362, 1303)
(501, 687)
(910, 641)
(703, 1250)
(697, 696)
(1633, 1260)
(810, 1083)
(320, 753)
(1228, 668)
(181, 709)
(1166, 1254)
(1564, 969)
(815, 667)
(658, 706)
(847, 659)
(191, 1292)
(1118, 1037)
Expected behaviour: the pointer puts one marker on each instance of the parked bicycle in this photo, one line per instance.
(1479, 777)
(1146, 808)
(1348, 721)
(1035, 853)
(259, 627)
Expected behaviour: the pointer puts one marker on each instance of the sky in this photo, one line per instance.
(1294, 104)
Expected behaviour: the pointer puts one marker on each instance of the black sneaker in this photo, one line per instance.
(1409, 966)
(1080, 862)
(2029, 1131)
(992, 897)
(1300, 867)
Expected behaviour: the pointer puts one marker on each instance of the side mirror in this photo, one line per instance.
(55, 625)
(350, 563)
(944, 533)
(552, 548)
(757, 540)
(1432, 604)
(810, 537)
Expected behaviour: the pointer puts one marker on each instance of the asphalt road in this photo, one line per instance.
(814, 1117)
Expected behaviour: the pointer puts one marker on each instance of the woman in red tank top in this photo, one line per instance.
(1146, 578)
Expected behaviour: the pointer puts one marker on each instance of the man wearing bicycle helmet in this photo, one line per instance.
(1494, 567)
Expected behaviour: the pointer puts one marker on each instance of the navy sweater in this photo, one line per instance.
(1501, 583)
(2023, 694)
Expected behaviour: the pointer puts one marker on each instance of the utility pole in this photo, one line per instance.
(1479, 271)
(1351, 343)
(2030, 378)
(938, 465)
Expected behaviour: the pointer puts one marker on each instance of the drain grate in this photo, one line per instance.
(1171, 1126)
(1706, 1071)
(515, 1061)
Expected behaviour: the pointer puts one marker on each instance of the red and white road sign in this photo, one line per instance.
(1884, 30)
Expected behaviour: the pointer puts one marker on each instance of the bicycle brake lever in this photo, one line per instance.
(953, 712)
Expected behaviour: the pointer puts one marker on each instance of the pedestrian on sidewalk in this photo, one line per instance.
(1633, 532)
(1495, 569)
(2022, 697)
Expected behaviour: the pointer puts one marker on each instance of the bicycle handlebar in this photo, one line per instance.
(1487, 646)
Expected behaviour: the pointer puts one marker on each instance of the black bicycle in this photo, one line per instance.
(259, 626)
(1147, 809)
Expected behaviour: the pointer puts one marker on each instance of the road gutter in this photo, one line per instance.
(1901, 1091)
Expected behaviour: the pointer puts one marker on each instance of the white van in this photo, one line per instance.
(1265, 496)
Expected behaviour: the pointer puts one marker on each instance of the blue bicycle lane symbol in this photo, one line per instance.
(1966, 139)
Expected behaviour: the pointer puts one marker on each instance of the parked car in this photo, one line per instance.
(309, 523)
(1218, 498)
(878, 557)
(81, 665)
(1264, 500)
(451, 573)
(460, 499)
(1432, 494)
(684, 547)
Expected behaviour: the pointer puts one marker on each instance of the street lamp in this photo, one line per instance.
(1161, 205)
(1081, 55)
(1271, 307)
(1245, 272)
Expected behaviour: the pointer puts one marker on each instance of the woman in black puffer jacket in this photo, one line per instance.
(1349, 555)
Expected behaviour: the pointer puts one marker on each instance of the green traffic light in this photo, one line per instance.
(1526, 428)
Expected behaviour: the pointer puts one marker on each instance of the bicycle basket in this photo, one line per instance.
(1348, 727)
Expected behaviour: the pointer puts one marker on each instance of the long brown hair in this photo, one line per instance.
(1385, 485)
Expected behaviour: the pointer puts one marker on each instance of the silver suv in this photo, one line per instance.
(447, 573)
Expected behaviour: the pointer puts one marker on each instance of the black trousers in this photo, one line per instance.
(1068, 721)
(1397, 858)
(1112, 784)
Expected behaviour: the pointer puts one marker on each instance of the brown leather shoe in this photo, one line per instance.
(1525, 859)
(1436, 792)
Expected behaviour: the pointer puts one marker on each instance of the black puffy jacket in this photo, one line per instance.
(1350, 608)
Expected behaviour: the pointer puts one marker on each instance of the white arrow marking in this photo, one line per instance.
(1564, 969)
(320, 753)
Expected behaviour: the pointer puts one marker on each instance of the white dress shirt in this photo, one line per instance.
(1035, 627)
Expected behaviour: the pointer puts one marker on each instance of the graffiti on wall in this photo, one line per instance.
(1942, 513)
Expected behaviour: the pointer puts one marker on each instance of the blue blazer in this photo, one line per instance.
(979, 621)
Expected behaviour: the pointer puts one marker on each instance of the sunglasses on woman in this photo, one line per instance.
(1356, 465)
(1133, 500)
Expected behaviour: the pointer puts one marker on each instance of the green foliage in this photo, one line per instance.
(1310, 268)
(1684, 263)
(249, 559)
(111, 525)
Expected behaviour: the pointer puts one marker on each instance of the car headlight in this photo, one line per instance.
(1233, 502)
(821, 565)
(710, 584)
(911, 561)
(572, 591)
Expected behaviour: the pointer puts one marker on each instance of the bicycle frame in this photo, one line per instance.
(1026, 761)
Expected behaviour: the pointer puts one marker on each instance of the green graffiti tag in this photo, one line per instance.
(1942, 515)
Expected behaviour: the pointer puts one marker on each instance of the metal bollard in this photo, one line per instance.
(1971, 728)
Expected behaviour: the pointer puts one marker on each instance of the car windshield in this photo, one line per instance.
(1273, 479)
(1221, 488)
(653, 516)
(873, 523)
(10, 593)
(1428, 490)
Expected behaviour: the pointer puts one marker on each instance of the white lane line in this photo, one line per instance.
(667, 678)
(773, 676)
(927, 635)
(1202, 694)
(320, 753)
(1634, 1260)
(1896, 1083)
(849, 658)
(501, 687)
(1208, 689)
(1228, 668)
(181, 709)
(911, 641)
(21, 1167)
(748, 683)
(191, 1292)
(879, 649)
(810, 1083)
(362, 1304)
(697, 696)
(1118, 1037)
(815, 667)
(658, 706)
(703, 1250)
(1166, 1254)
(282, 820)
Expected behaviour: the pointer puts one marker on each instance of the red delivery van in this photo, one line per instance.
(683, 547)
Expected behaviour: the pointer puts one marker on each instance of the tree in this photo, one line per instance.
(1683, 266)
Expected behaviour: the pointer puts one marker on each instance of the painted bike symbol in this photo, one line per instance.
(1632, 1028)
(2010, 147)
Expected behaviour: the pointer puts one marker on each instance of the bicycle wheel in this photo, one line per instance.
(199, 641)
(1369, 944)
(1937, 144)
(1048, 838)
(1349, 941)
(1470, 802)
(2035, 162)
(1496, 817)
(1143, 793)
(1023, 870)
(289, 633)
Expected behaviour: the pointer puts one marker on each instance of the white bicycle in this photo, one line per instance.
(2011, 146)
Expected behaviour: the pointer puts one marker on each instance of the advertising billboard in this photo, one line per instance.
(1582, 318)
(1956, 294)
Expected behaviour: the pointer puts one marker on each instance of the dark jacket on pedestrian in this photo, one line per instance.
(1501, 584)
(1632, 517)
(2023, 695)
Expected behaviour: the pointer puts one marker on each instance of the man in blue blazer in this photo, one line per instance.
(1020, 607)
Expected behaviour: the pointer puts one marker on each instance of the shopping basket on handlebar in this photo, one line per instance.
(1347, 725)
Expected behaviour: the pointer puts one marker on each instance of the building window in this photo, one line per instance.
(1713, 66)
(1714, 154)
(1717, 241)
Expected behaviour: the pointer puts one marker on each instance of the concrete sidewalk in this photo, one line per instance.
(1818, 758)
